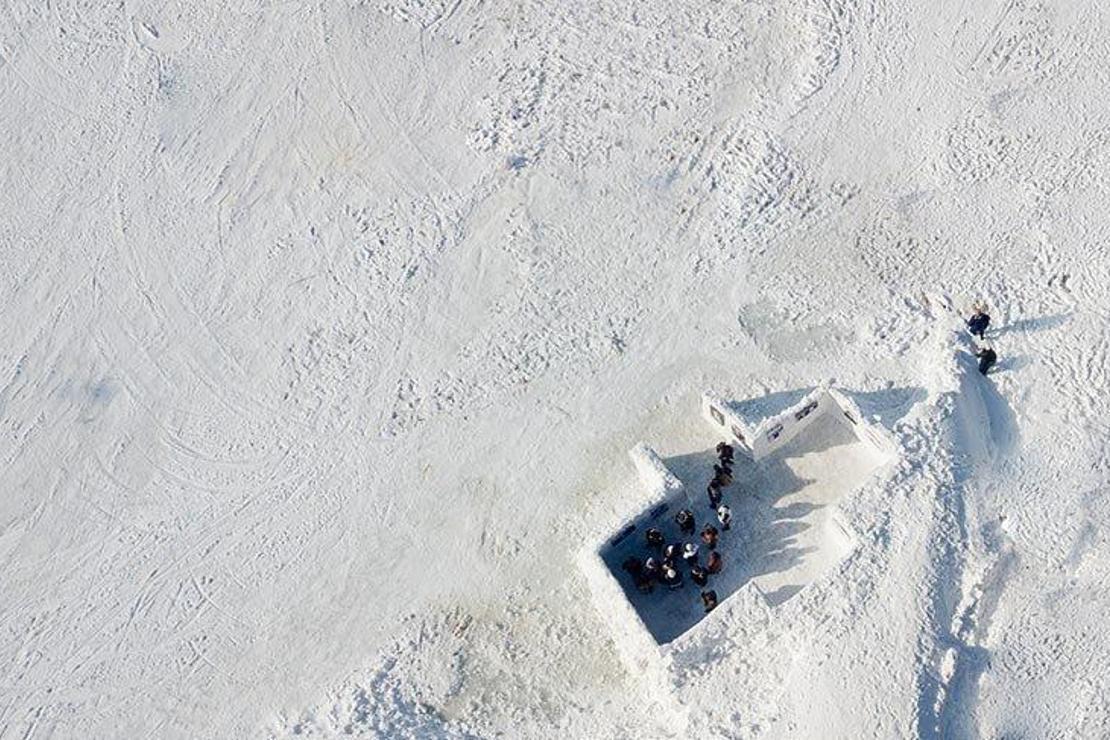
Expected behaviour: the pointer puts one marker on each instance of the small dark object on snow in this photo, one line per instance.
(699, 575)
(709, 600)
(709, 536)
(716, 562)
(654, 537)
(714, 492)
(987, 358)
(979, 320)
(685, 521)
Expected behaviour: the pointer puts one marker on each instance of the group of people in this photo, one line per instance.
(977, 324)
(664, 561)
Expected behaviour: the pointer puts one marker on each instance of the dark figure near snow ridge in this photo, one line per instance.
(987, 358)
(979, 320)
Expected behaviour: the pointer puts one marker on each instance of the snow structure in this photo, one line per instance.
(658, 632)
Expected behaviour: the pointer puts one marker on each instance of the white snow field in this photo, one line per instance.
(326, 328)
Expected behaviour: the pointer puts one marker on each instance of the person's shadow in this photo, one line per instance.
(1038, 323)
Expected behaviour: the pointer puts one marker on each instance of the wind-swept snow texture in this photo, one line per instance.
(326, 326)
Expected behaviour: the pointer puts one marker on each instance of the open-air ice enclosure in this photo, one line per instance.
(791, 469)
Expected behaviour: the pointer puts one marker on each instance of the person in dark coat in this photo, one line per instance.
(690, 553)
(636, 569)
(724, 516)
(709, 600)
(714, 492)
(709, 536)
(699, 575)
(685, 521)
(654, 537)
(671, 577)
(724, 452)
(722, 473)
(987, 358)
(672, 552)
(650, 569)
(715, 563)
(979, 321)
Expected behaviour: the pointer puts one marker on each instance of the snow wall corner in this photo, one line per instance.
(720, 415)
(728, 628)
(653, 472)
(640, 653)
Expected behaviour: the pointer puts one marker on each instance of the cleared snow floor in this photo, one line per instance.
(783, 536)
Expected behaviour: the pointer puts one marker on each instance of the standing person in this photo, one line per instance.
(979, 320)
(709, 600)
(672, 552)
(642, 580)
(709, 536)
(654, 538)
(715, 563)
(987, 358)
(671, 577)
(699, 575)
(690, 553)
(724, 516)
(714, 492)
(650, 569)
(685, 521)
(724, 452)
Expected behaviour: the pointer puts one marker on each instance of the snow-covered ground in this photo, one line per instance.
(326, 327)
